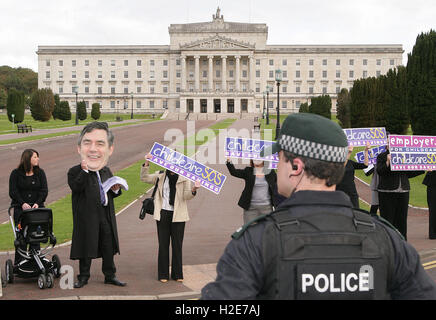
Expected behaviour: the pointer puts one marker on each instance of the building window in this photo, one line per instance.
(165, 74)
(257, 62)
(244, 87)
(47, 63)
(126, 63)
(271, 62)
(310, 62)
(151, 89)
(165, 89)
(61, 74)
(285, 62)
(311, 90)
(165, 63)
(257, 73)
(218, 73)
(126, 74)
(324, 90)
(218, 62)
(230, 73)
(310, 73)
(351, 62)
(152, 63)
(365, 62)
(100, 63)
(165, 104)
(338, 62)
(138, 104)
(285, 74)
(257, 87)
(324, 62)
(297, 89)
(244, 73)
(86, 74)
(364, 74)
(112, 74)
(61, 63)
(351, 74)
(47, 74)
(99, 90)
(338, 73)
(204, 74)
(86, 89)
(152, 74)
(177, 62)
(178, 87)
(271, 74)
(112, 63)
(338, 89)
(61, 89)
(391, 62)
(112, 90)
(324, 73)
(378, 73)
(73, 74)
(138, 89)
(126, 89)
(138, 63)
(284, 89)
(138, 74)
(297, 73)
(112, 104)
(151, 104)
(178, 104)
(86, 63)
(100, 74)
(284, 104)
(378, 62)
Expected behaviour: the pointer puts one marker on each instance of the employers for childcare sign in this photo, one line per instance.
(177, 162)
(244, 148)
(361, 136)
(412, 152)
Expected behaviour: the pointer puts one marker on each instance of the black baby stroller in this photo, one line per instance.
(35, 227)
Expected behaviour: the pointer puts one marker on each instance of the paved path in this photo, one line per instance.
(213, 220)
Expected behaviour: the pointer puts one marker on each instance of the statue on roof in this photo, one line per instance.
(217, 15)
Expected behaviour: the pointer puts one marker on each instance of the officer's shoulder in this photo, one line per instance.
(380, 221)
(241, 230)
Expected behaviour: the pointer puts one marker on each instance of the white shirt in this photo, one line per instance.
(166, 196)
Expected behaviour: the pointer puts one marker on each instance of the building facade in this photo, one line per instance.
(215, 67)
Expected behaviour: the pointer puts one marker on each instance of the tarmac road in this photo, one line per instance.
(58, 154)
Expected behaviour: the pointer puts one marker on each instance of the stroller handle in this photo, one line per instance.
(11, 219)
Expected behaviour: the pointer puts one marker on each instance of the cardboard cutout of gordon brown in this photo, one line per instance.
(94, 224)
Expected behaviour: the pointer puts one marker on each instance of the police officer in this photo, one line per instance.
(315, 245)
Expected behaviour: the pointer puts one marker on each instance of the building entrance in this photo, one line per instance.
(203, 105)
(230, 105)
(244, 105)
(190, 105)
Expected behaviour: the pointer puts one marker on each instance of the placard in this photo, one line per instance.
(177, 162)
(372, 155)
(411, 153)
(361, 136)
(245, 148)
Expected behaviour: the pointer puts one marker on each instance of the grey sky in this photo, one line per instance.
(28, 23)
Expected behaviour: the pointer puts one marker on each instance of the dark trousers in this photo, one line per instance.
(431, 201)
(394, 207)
(166, 231)
(107, 253)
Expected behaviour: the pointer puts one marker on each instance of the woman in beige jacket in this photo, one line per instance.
(170, 213)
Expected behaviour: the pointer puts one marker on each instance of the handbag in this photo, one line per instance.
(148, 204)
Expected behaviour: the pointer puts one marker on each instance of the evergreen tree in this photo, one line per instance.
(343, 108)
(81, 110)
(15, 105)
(304, 107)
(42, 104)
(421, 84)
(64, 111)
(396, 111)
(321, 105)
(95, 111)
(56, 109)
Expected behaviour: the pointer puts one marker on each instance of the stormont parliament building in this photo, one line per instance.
(211, 70)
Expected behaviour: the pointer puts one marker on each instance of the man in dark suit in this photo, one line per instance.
(94, 224)
(430, 182)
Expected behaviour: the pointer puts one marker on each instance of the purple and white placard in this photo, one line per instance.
(361, 136)
(411, 153)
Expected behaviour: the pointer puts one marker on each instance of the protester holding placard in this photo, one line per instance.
(347, 184)
(393, 191)
(430, 182)
(257, 198)
(171, 214)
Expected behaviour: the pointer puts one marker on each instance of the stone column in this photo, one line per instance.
(183, 86)
(238, 73)
(197, 73)
(251, 73)
(210, 74)
(224, 73)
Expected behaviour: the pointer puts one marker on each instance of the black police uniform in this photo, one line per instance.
(315, 246)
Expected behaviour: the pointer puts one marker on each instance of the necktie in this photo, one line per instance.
(102, 195)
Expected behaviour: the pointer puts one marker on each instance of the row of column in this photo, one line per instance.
(251, 72)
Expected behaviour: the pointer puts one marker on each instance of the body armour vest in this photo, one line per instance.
(325, 255)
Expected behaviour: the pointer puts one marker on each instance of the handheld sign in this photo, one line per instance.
(411, 153)
(244, 148)
(372, 155)
(177, 162)
(361, 136)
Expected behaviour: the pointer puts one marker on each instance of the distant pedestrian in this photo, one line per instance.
(374, 187)
(27, 188)
(171, 214)
(347, 184)
(257, 198)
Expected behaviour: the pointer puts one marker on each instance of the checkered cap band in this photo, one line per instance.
(313, 150)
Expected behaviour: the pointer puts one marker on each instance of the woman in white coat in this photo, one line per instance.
(170, 213)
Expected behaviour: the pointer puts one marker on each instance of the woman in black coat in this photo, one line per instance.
(258, 196)
(393, 192)
(27, 187)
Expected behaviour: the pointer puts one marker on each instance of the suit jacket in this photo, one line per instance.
(430, 179)
(88, 212)
(390, 180)
(250, 179)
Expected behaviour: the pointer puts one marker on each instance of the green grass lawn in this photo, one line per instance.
(62, 212)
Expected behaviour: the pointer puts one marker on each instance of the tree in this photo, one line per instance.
(56, 109)
(421, 84)
(95, 111)
(15, 106)
(3, 98)
(81, 110)
(343, 108)
(396, 111)
(321, 105)
(64, 111)
(42, 104)
(304, 107)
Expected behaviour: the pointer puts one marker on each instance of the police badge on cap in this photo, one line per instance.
(312, 136)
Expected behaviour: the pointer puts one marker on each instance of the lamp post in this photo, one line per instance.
(263, 113)
(267, 105)
(77, 116)
(278, 80)
(131, 114)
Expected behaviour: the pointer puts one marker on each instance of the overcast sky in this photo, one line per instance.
(28, 23)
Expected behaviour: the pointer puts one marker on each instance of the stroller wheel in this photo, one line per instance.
(56, 265)
(9, 270)
(50, 280)
(42, 281)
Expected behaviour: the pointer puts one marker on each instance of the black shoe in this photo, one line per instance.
(80, 283)
(115, 282)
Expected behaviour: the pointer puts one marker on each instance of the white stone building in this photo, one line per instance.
(209, 68)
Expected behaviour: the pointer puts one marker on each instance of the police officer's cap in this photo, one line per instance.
(311, 136)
